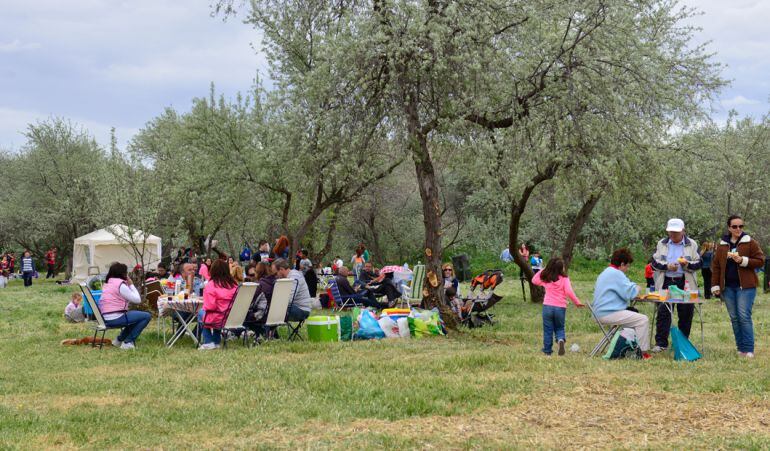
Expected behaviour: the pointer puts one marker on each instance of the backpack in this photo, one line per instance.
(489, 279)
(624, 345)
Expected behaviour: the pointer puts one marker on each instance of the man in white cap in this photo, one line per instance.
(676, 262)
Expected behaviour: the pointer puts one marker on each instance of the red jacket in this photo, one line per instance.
(648, 271)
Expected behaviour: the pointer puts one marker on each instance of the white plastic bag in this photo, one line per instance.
(403, 327)
(389, 327)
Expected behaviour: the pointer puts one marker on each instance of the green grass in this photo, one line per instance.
(487, 388)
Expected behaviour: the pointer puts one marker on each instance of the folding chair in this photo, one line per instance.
(283, 293)
(412, 293)
(294, 326)
(100, 326)
(236, 315)
(479, 313)
(341, 301)
(607, 333)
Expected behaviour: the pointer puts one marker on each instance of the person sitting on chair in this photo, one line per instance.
(301, 305)
(613, 293)
(118, 292)
(383, 286)
(217, 298)
(367, 276)
(359, 295)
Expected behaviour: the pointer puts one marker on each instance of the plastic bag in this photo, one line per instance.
(389, 327)
(368, 327)
(403, 327)
(346, 328)
(417, 327)
(434, 324)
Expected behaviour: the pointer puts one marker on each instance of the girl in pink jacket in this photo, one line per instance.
(557, 289)
(218, 296)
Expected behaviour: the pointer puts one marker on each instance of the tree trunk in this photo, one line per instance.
(517, 211)
(329, 235)
(433, 291)
(577, 227)
(375, 244)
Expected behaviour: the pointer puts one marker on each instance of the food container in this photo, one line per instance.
(323, 328)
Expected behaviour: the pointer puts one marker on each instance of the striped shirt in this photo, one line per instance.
(26, 264)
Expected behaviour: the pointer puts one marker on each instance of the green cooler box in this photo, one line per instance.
(323, 328)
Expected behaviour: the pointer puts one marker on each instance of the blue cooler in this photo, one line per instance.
(97, 294)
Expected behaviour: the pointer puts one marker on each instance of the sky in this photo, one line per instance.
(111, 63)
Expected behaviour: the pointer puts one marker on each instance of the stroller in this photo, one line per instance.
(478, 312)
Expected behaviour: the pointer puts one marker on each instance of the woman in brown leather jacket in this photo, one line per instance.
(733, 276)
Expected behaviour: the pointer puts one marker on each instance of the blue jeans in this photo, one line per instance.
(553, 324)
(296, 314)
(133, 323)
(739, 303)
(209, 335)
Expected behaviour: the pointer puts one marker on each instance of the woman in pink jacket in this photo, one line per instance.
(117, 293)
(218, 296)
(557, 289)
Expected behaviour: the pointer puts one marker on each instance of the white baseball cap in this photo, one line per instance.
(674, 225)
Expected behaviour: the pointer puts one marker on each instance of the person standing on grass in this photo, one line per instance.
(218, 295)
(733, 277)
(706, 257)
(50, 259)
(648, 275)
(613, 293)
(27, 268)
(558, 289)
(675, 263)
(117, 293)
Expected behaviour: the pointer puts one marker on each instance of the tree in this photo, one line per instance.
(56, 178)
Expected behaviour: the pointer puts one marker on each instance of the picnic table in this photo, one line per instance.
(185, 311)
(669, 304)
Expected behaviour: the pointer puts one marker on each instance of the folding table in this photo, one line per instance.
(174, 308)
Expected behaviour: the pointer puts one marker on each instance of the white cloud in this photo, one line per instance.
(738, 100)
(17, 46)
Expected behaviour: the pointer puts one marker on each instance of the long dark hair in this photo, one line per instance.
(117, 271)
(553, 270)
(220, 274)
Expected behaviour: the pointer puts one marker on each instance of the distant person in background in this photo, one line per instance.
(237, 273)
(3, 271)
(358, 261)
(524, 251)
(706, 257)
(648, 273)
(27, 268)
(450, 280)
(205, 269)
(306, 268)
(536, 262)
(50, 259)
(367, 256)
(263, 252)
(281, 248)
(506, 256)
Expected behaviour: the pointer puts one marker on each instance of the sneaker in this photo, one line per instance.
(749, 355)
(127, 346)
(741, 354)
(117, 343)
(658, 349)
(646, 356)
(561, 347)
(207, 346)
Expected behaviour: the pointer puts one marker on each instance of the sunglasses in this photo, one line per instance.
(737, 226)
(449, 270)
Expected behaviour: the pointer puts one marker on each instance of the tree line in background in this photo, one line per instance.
(417, 127)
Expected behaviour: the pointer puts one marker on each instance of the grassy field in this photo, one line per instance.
(488, 388)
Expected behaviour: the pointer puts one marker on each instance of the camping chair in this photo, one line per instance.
(100, 326)
(236, 315)
(342, 301)
(283, 293)
(479, 313)
(413, 292)
(294, 326)
(607, 333)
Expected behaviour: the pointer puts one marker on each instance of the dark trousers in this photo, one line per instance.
(27, 276)
(706, 272)
(51, 273)
(683, 311)
(650, 283)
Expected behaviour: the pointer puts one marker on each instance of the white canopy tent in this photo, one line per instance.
(95, 251)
